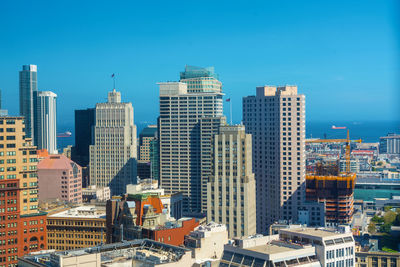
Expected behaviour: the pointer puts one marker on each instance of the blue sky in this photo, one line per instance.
(343, 55)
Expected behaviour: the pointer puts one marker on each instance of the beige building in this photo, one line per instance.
(231, 189)
(80, 227)
(207, 242)
(275, 117)
(190, 114)
(113, 155)
(378, 259)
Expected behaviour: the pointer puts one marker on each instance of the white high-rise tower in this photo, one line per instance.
(45, 120)
(114, 153)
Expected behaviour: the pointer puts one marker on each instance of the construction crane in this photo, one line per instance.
(347, 141)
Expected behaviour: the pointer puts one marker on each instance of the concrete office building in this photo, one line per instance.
(113, 155)
(59, 178)
(300, 246)
(389, 144)
(231, 189)
(275, 117)
(27, 85)
(190, 113)
(45, 120)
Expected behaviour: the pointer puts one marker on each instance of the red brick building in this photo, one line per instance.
(22, 226)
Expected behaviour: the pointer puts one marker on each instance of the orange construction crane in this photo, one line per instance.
(347, 141)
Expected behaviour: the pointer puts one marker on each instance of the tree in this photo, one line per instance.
(385, 228)
(389, 217)
(377, 219)
(372, 228)
(387, 208)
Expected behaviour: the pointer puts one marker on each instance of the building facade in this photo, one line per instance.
(27, 86)
(59, 178)
(22, 226)
(275, 118)
(79, 227)
(183, 166)
(113, 155)
(85, 120)
(45, 120)
(145, 137)
(231, 189)
(389, 144)
(378, 259)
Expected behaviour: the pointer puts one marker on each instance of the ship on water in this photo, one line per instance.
(338, 127)
(64, 134)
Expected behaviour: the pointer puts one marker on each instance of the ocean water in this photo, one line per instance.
(368, 131)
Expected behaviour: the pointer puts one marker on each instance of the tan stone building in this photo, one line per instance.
(231, 188)
(377, 259)
(275, 117)
(79, 227)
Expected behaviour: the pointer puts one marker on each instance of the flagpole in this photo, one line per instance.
(230, 106)
(114, 81)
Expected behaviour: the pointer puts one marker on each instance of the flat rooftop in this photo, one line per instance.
(273, 249)
(84, 212)
(317, 232)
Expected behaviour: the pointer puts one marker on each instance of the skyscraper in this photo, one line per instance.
(183, 107)
(45, 120)
(232, 187)
(84, 126)
(27, 85)
(113, 155)
(145, 137)
(275, 117)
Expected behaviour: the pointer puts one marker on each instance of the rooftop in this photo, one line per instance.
(138, 251)
(56, 162)
(86, 212)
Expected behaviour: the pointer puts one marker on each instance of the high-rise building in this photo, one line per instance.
(45, 120)
(232, 187)
(22, 226)
(27, 85)
(84, 127)
(113, 155)
(145, 137)
(389, 144)
(275, 118)
(59, 178)
(183, 105)
(155, 159)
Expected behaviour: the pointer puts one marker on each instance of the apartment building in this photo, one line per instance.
(275, 117)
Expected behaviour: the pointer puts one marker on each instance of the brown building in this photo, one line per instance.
(79, 227)
(327, 185)
(377, 259)
(22, 226)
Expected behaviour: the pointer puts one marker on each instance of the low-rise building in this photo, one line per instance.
(173, 203)
(295, 246)
(99, 194)
(377, 258)
(144, 216)
(79, 227)
(137, 253)
(207, 242)
(59, 178)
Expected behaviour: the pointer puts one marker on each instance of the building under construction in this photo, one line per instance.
(333, 188)
(328, 185)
